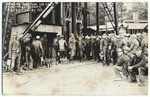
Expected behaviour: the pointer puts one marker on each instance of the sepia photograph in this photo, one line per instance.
(74, 48)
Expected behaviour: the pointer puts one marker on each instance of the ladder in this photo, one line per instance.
(6, 20)
(34, 25)
(108, 13)
(5, 25)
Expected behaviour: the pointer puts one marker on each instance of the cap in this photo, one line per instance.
(138, 34)
(71, 34)
(61, 36)
(133, 36)
(87, 37)
(104, 36)
(109, 34)
(94, 37)
(14, 35)
(126, 48)
(20, 35)
(124, 34)
(117, 36)
(138, 49)
(127, 35)
(57, 35)
(97, 37)
(119, 50)
(100, 36)
(37, 37)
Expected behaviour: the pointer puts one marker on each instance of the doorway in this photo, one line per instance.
(47, 40)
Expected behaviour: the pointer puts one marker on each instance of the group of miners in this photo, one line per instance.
(127, 52)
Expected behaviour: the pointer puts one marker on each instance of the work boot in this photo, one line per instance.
(118, 79)
(129, 80)
(142, 84)
(19, 73)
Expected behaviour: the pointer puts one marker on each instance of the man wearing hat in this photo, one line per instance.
(121, 65)
(126, 51)
(15, 54)
(119, 42)
(96, 49)
(37, 52)
(56, 48)
(93, 47)
(87, 47)
(23, 51)
(62, 44)
(122, 29)
(27, 63)
(125, 40)
(138, 65)
(144, 43)
(113, 40)
(139, 38)
(81, 48)
(104, 49)
(134, 43)
(72, 46)
(44, 41)
(86, 37)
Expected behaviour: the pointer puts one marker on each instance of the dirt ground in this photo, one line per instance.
(74, 78)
